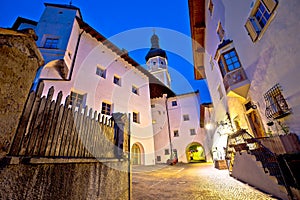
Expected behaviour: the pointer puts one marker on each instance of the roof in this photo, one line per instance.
(21, 20)
(157, 88)
(68, 6)
(224, 43)
(155, 49)
(198, 26)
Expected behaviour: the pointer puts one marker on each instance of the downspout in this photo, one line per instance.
(129, 167)
(169, 131)
(75, 56)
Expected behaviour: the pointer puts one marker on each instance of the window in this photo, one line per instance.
(229, 61)
(158, 158)
(210, 7)
(260, 17)
(106, 108)
(276, 105)
(136, 117)
(153, 121)
(220, 31)
(117, 80)
(192, 132)
(101, 72)
(78, 99)
(51, 43)
(176, 133)
(186, 118)
(135, 90)
(167, 152)
(152, 105)
(174, 103)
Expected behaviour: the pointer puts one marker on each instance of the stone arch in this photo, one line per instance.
(195, 152)
(137, 154)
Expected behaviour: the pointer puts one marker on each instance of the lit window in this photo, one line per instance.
(276, 105)
(210, 7)
(220, 31)
(78, 99)
(106, 108)
(136, 117)
(167, 152)
(117, 80)
(186, 117)
(135, 90)
(51, 43)
(176, 133)
(101, 72)
(229, 61)
(153, 121)
(174, 103)
(260, 17)
(192, 132)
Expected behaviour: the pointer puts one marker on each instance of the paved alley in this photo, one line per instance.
(189, 182)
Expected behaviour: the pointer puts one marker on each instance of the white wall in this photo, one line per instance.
(186, 104)
(273, 59)
(85, 80)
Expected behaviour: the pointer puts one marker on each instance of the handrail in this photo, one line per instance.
(243, 131)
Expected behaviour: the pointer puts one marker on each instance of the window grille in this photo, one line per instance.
(276, 105)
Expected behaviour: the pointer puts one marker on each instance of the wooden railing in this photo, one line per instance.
(48, 128)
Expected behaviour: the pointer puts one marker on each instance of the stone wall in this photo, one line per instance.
(19, 60)
(68, 181)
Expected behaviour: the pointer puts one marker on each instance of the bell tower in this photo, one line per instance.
(157, 62)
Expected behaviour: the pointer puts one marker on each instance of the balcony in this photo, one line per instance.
(236, 83)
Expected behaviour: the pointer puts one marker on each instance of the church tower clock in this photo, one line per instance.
(157, 62)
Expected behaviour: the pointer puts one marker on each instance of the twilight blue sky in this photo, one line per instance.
(130, 24)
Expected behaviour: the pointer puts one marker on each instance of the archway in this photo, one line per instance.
(137, 152)
(195, 153)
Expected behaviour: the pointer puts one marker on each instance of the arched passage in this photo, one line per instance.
(137, 154)
(195, 153)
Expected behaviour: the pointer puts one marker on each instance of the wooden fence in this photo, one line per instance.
(48, 128)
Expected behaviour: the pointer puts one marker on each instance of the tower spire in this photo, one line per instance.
(154, 41)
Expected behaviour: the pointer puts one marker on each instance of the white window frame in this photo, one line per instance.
(106, 111)
(117, 82)
(80, 98)
(192, 131)
(176, 133)
(135, 90)
(186, 117)
(101, 71)
(136, 117)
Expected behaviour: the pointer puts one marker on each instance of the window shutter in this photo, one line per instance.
(253, 28)
(270, 4)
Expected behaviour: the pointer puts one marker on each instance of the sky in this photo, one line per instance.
(130, 25)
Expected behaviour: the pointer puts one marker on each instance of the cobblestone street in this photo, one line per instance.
(189, 182)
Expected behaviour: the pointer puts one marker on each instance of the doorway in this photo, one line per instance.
(136, 154)
(195, 153)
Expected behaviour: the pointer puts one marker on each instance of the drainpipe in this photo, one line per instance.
(169, 131)
(129, 167)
